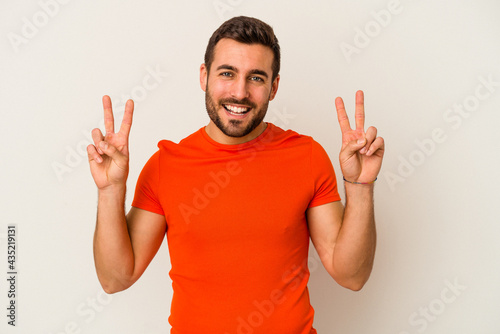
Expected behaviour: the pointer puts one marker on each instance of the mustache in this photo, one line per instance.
(244, 101)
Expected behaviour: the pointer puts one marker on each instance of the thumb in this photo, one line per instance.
(119, 158)
(353, 146)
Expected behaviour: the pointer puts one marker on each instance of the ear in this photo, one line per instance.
(203, 77)
(274, 88)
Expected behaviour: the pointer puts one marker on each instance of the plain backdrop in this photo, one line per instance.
(430, 71)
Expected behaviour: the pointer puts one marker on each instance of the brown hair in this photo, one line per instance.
(246, 30)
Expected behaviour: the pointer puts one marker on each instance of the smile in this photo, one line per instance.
(235, 110)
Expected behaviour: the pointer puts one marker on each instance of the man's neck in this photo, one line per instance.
(216, 134)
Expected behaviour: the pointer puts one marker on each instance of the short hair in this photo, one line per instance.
(247, 30)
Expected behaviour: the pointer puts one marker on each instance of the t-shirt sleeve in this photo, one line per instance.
(324, 179)
(146, 191)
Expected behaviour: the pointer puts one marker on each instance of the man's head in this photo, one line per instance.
(246, 30)
(240, 76)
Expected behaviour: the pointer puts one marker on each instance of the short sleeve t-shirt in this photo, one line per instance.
(236, 229)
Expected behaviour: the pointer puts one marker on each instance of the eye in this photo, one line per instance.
(225, 74)
(256, 78)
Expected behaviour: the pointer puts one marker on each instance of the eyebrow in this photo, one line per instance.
(234, 69)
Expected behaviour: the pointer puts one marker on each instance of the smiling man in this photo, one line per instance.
(238, 200)
(238, 91)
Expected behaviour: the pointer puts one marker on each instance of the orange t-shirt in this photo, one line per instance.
(237, 232)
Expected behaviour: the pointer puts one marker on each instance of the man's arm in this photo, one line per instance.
(123, 245)
(345, 239)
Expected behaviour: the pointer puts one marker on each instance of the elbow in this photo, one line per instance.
(354, 283)
(354, 286)
(352, 278)
(109, 289)
(112, 286)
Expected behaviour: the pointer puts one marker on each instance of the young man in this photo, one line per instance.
(238, 200)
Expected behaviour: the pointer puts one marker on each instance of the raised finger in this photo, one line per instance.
(342, 115)
(359, 114)
(109, 121)
(370, 136)
(127, 118)
(97, 137)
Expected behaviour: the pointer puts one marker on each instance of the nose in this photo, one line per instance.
(239, 88)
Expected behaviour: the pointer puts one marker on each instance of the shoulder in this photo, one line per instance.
(291, 138)
(193, 140)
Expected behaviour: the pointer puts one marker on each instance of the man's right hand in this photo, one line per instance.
(109, 156)
(124, 245)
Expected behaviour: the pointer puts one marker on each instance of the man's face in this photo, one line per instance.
(238, 90)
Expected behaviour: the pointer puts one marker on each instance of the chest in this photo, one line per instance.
(255, 195)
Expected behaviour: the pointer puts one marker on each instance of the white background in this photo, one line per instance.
(436, 202)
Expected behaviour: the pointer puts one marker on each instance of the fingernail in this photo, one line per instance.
(363, 150)
(360, 141)
(103, 145)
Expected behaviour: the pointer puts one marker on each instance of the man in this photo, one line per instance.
(238, 200)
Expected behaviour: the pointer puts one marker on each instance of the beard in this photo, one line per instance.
(236, 127)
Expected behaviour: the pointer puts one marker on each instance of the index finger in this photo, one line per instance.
(359, 114)
(342, 115)
(109, 121)
(127, 118)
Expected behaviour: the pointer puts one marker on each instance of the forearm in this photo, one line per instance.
(113, 253)
(355, 247)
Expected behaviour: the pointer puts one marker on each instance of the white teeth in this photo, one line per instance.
(237, 110)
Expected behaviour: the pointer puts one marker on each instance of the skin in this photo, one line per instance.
(124, 245)
(345, 238)
(241, 76)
